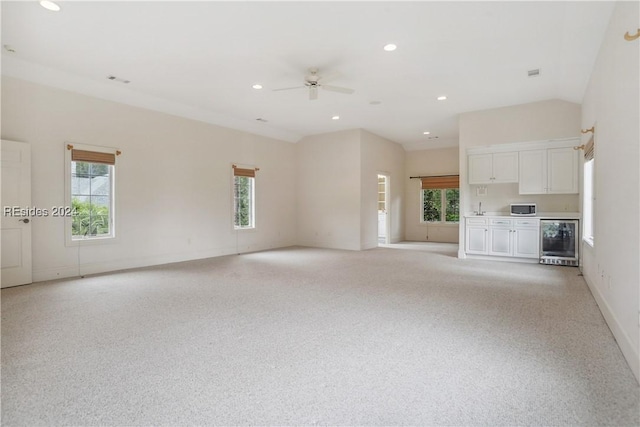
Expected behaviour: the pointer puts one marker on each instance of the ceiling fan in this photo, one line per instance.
(313, 81)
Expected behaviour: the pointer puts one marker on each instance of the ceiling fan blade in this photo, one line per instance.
(289, 88)
(330, 77)
(313, 92)
(338, 89)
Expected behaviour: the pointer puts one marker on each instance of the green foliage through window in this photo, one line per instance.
(441, 205)
(243, 202)
(432, 205)
(89, 219)
(91, 199)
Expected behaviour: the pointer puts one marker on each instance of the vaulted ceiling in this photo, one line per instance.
(200, 59)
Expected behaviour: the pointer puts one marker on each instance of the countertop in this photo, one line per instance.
(541, 215)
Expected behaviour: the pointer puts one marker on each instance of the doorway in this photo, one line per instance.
(384, 225)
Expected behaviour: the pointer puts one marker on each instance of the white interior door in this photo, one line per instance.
(15, 164)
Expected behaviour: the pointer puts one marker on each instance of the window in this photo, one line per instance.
(588, 200)
(441, 205)
(243, 198)
(91, 183)
(440, 199)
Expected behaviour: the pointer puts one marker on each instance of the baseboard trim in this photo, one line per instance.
(624, 343)
(503, 258)
(62, 272)
(53, 273)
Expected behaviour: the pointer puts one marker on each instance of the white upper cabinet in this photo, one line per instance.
(562, 171)
(533, 172)
(493, 168)
(548, 171)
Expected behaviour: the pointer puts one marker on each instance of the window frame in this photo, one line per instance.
(443, 204)
(253, 226)
(113, 179)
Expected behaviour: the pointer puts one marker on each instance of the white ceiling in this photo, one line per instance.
(200, 59)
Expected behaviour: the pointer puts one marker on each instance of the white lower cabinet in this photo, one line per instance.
(526, 242)
(504, 237)
(476, 236)
(500, 241)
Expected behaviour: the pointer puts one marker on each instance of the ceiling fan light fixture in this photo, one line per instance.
(390, 47)
(49, 5)
(313, 81)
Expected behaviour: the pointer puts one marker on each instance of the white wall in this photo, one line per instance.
(611, 103)
(500, 196)
(328, 193)
(379, 155)
(544, 120)
(338, 189)
(443, 161)
(174, 181)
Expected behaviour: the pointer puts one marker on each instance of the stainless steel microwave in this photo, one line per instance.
(523, 209)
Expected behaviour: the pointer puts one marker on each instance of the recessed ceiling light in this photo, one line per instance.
(260, 119)
(257, 86)
(442, 98)
(390, 47)
(335, 118)
(533, 73)
(49, 5)
(426, 133)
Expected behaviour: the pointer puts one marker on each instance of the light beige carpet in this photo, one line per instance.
(405, 334)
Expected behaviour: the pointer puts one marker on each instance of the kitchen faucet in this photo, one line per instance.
(479, 211)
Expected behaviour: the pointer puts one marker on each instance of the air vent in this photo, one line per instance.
(118, 79)
(533, 73)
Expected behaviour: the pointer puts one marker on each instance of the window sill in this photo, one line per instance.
(92, 241)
